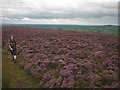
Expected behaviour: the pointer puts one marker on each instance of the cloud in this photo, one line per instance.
(25, 19)
(60, 11)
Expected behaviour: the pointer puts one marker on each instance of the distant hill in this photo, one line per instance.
(105, 29)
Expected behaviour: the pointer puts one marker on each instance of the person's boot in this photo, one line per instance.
(15, 60)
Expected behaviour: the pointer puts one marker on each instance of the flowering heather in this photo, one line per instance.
(66, 59)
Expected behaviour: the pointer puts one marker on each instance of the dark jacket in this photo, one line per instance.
(12, 44)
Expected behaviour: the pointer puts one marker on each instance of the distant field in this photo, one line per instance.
(106, 29)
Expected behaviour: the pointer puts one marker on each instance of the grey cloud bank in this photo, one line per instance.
(87, 12)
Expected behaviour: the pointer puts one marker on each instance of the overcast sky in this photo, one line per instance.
(78, 12)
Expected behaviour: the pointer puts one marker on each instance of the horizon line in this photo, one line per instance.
(65, 24)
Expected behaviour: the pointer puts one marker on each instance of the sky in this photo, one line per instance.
(73, 12)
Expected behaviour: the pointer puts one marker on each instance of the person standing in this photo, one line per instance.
(13, 47)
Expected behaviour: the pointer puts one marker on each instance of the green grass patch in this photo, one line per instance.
(14, 77)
